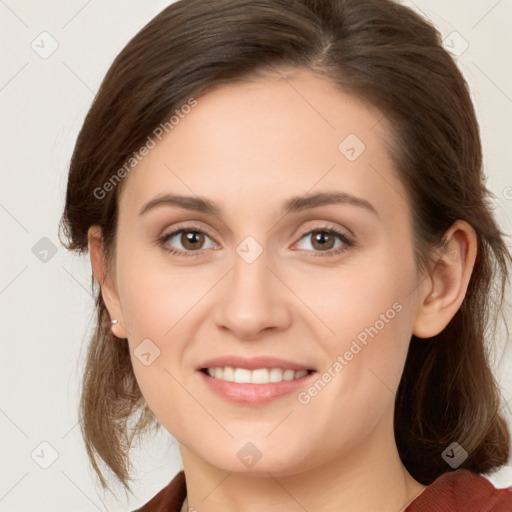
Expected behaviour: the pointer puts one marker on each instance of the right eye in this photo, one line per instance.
(191, 239)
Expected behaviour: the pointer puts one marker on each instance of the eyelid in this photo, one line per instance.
(187, 226)
(321, 227)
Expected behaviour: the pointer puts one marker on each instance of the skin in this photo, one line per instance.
(249, 147)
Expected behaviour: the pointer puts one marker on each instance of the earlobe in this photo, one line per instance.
(105, 280)
(445, 287)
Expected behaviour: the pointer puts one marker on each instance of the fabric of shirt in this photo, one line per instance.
(457, 491)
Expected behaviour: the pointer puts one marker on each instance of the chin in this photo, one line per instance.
(259, 459)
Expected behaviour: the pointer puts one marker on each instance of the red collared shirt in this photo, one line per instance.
(458, 491)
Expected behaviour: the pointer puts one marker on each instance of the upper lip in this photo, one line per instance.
(251, 363)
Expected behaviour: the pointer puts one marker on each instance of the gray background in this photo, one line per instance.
(45, 300)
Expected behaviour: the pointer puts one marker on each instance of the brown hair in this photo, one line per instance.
(384, 54)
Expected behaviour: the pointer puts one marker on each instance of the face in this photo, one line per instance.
(323, 286)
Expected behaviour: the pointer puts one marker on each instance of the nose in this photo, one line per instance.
(253, 299)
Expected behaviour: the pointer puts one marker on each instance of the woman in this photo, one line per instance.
(286, 216)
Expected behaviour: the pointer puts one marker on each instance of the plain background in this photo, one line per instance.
(45, 300)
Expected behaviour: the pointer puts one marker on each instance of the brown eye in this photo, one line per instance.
(322, 240)
(192, 240)
(185, 241)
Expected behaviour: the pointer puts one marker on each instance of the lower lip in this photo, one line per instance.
(254, 394)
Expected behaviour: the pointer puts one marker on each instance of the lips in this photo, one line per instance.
(292, 377)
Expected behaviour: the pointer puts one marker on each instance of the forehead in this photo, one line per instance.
(271, 137)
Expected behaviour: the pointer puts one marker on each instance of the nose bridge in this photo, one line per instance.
(250, 268)
(252, 300)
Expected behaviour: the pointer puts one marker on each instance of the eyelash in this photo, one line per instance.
(348, 242)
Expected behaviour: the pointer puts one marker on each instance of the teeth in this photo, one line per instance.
(258, 376)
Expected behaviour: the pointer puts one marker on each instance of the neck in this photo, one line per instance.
(369, 477)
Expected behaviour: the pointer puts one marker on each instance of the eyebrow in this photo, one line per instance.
(292, 205)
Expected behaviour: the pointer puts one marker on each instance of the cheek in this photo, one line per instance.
(158, 304)
(360, 299)
(155, 298)
(362, 377)
(369, 309)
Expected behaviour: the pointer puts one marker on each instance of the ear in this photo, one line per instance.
(444, 289)
(105, 280)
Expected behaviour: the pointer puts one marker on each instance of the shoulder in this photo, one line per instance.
(170, 498)
(462, 491)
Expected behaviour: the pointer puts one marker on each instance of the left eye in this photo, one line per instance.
(324, 240)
